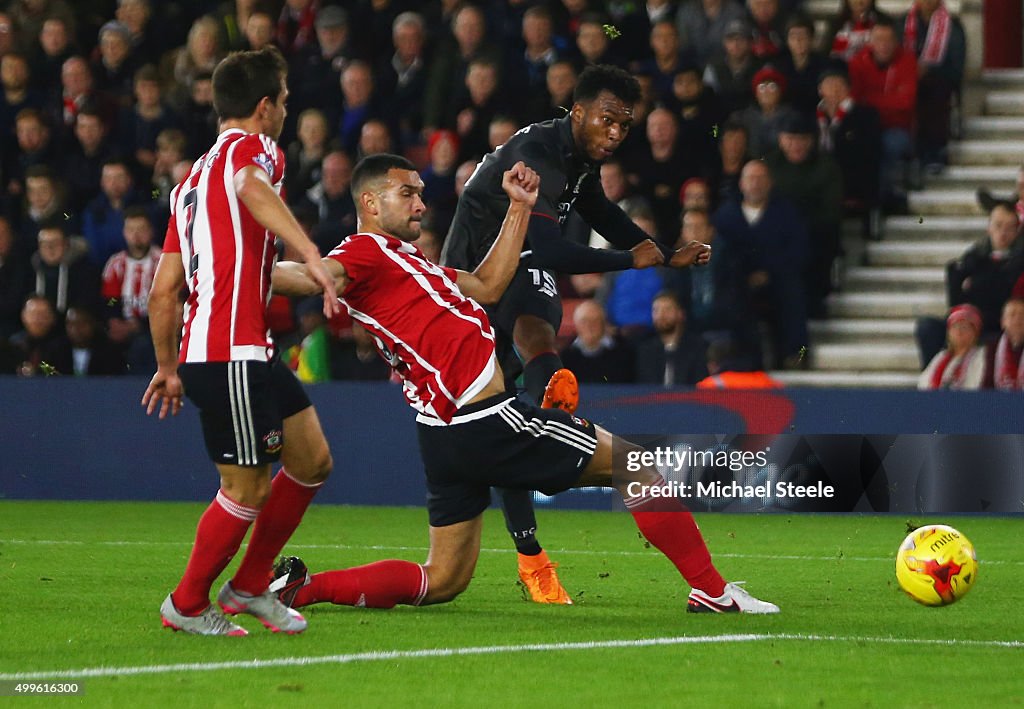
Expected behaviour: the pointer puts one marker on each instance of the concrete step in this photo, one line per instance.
(1004, 103)
(858, 330)
(953, 202)
(886, 305)
(995, 126)
(959, 229)
(988, 152)
(895, 278)
(914, 253)
(848, 379)
(996, 178)
(866, 356)
(1003, 77)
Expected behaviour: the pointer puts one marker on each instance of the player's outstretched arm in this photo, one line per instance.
(490, 279)
(165, 390)
(257, 194)
(293, 279)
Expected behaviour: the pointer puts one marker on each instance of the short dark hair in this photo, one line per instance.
(54, 223)
(802, 21)
(376, 167)
(146, 72)
(243, 79)
(670, 295)
(605, 77)
(136, 211)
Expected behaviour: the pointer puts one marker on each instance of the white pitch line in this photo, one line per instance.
(376, 656)
(486, 550)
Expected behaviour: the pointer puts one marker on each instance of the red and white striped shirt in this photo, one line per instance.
(439, 341)
(227, 254)
(129, 280)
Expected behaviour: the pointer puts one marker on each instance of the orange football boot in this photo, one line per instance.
(562, 392)
(538, 575)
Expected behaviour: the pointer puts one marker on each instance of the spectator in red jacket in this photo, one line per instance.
(884, 75)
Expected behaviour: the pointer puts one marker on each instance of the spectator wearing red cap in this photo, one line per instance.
(962, 364)
(763, 119)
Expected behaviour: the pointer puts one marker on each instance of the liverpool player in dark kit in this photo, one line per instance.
(566, 153)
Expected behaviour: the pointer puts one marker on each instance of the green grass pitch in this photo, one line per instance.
(82, 584)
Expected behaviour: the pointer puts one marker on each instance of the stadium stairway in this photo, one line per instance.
(868, 338)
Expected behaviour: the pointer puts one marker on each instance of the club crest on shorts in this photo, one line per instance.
(272, 442)
(578, 421)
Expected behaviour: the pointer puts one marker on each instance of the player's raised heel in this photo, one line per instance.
(290, 575)
(562, 392)
(538, 575)
(733, 600)
(266, 608)
(209, 622)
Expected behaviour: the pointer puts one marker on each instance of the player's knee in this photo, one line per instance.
(321, 467)
(252, 493)
(444, 585)
(631, 467)
(314, 468)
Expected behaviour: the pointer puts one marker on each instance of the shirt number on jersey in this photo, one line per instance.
(544, 281)
(189, 203)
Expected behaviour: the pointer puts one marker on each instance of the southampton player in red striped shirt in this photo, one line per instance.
(473, 435)
(220, 244)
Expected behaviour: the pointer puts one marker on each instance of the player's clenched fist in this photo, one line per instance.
(647, 254)
(521, 184)
(693, 253)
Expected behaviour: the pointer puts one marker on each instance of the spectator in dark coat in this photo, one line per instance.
(86, 351)
(673, 356)
(699, 114)
(765, 237)
(984, 276)
(25, 354)
(596, 356)
(402, 77)
(331, 201)
(801, 65)
(851, 132)
(84, 162)
(315, 71)
(811, 180)
(63, 273)
(731, 73)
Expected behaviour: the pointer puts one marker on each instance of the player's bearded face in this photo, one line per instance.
(601, 125)
(401, 205)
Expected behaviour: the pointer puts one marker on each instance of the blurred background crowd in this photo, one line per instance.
(756, 133)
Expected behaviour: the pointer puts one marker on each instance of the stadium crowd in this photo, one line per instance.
(755, 134)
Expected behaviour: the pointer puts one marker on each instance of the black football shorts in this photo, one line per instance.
(500, 442)
(242, 407)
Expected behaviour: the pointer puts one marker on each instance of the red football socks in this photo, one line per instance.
(218, 536)
(670, 527)
(383, 584)
(274, 526)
